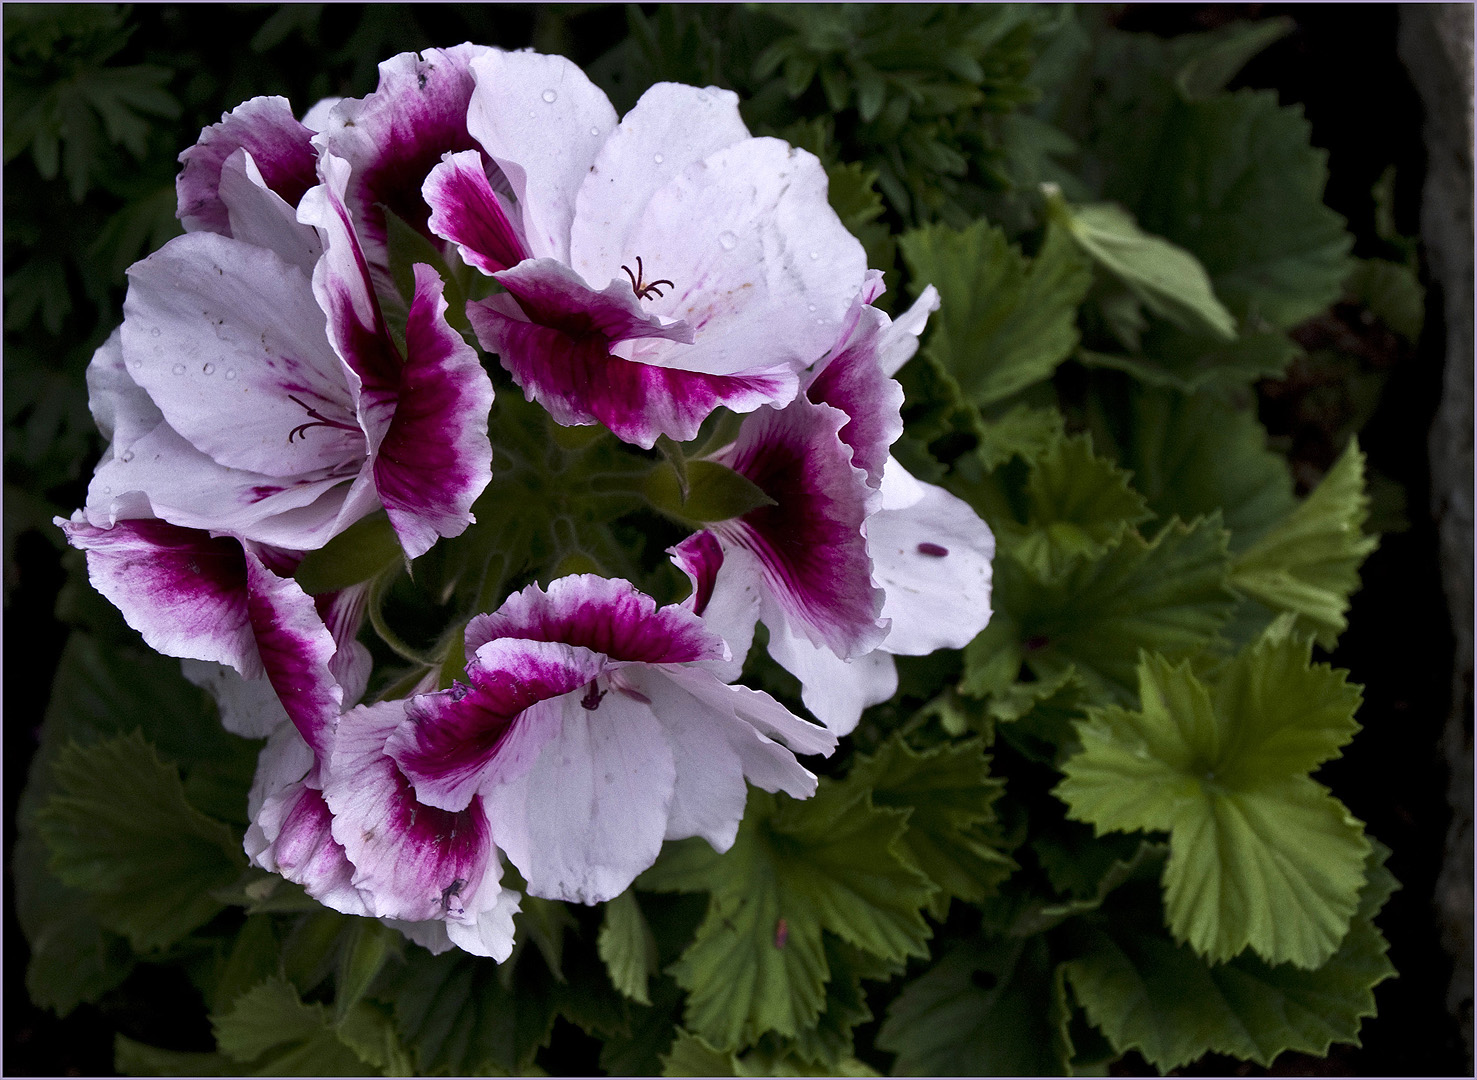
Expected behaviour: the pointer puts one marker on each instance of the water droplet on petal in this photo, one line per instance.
(136, 363)
(154, 332)
(208, 368)
(230, 373)
(550, 96)
(179, 369)
(658, 159)
(127, 456)
(728, 240)
(811, 307)
(107, 490)
(815, 255)
(594, 131)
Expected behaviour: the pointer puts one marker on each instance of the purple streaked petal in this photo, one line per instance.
(435, 458)
(834, 690)
(393, 137)
(605, 615)
(296, 650)
(455, 741)
(852, 381)
(542, 121)
(763, 267)
(700, 557)
(670, 128)
(553, 295)
(296, 826)
(810, 544)
(261, 217)
(215, 327)
(182, 589)
(591, 813)
(266, 128)
(932, 555)
(579, 381)
(466, 211)
(414, 861)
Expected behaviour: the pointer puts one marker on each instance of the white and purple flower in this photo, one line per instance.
(656, 267)
(856, 560)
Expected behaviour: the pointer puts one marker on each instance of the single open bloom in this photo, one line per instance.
(856, 560)
(590, 729)
(656, 267)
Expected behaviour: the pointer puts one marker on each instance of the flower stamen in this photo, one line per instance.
(644, 291)
(319, 420)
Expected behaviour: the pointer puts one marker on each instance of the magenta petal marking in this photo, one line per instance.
(276, 141)
(853, 381)
(296, 651)
(306, 852)
(452, 740)
(435, 458)
(604, 615)
(466, 211)
(182, 589)
(553, 295)
(700, 557)
(578, 381)
(811, 543)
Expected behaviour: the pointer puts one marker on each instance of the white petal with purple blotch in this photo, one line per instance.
(277, 142)
(261, 217)
(833, 689)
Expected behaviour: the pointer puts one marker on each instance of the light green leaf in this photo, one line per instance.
(133, 1058)
(690, 1055)
(1309, 563)
(832, 862)
(985, 1009)
(1393, 292)
(1209, 61)
(1260, 855)
(1166, 278)
(949, 795)
(1149, 994)
(1076, 503)
(1167, 595)
(364, 550)
(270, 1030)
(714, 492)
(1168, 356)
(107, 824)
(1005, 321)
(627, 947)
(1025, 430)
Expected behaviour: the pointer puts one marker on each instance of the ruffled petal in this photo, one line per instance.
(763, 268)
(726, 594)
(758, 710)
(932, 556)
(393, 137)
(604, 615)
(542, 121)
(261, 217)
(468, 212)
(122, 408)
(900, 341)
(182, 589)
(810, 545)
(670, 128)
(435, 458)
(852, 381)
(413, 861)
(214, 327)
(591, 813)
(453, 742)
(281, 147)
(296, 825)
(834, 690)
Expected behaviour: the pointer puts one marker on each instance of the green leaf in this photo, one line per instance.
(1260, 855)
(1174, 358)
(1308, 563)
(253, 957)
(690, 1055)
(1149, 994)
(949, 794)
(364, 550)
(1005, 321)
(1393, 292)
(714, 492)
(1026, 431)
(367, 944)
(1167, 595)
(273, 1033)
(132, 1058)
(627, 947)
(1077, 503)
(985, 1009)
(1166, 278)
(832, 862)
(1236, 182)
(1209, 61)
(119, 827)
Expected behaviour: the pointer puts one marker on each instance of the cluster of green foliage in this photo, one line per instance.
(1095, 830)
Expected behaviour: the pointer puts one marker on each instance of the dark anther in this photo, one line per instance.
(454, 889)
(319, 420)
(592, 697)
(938, 551)
(643, 291)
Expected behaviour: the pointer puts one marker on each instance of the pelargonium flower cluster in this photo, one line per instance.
(278, 377)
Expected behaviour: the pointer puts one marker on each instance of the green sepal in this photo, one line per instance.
(364, 550)
(714, 492)
(114, 800)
